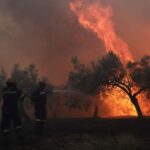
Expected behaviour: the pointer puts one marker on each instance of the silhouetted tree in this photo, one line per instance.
(27, 80)
(86, 80)
(108, 73)
(80, 77)
(3, 78)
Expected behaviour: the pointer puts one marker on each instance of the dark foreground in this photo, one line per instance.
(84, 134)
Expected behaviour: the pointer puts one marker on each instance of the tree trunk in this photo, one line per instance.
(137, 107)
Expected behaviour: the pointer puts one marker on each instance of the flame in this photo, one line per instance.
(98, 19)
(93, 16)
(117, 104)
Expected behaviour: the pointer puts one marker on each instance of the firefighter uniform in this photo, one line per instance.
(39, 98)
(10, 112)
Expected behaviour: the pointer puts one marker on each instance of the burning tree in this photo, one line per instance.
(108, 73)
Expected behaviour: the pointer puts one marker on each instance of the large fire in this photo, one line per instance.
(117, 103)
(93, 16)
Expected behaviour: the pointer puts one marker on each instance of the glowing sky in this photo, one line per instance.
(47, 33)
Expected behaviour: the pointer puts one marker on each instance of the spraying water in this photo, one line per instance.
(57, 104)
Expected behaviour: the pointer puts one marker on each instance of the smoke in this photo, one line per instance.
(43, 33)
(48, 34)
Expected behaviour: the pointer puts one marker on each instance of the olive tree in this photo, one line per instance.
(109, 72)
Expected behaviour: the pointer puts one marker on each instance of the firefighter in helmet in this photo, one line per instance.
(39, 97)
(10, 111)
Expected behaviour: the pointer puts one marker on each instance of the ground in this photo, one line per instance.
(84, 134)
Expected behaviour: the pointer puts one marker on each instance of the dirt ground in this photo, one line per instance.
(77, 142)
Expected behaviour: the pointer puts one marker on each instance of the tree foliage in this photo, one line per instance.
(3, 78)
(81, 77)
(27, 78)
(140, 74)
(91, 80)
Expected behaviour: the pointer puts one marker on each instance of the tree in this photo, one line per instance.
(80, 77)
(109, 72)
(3, 78)
(27, 80)
(140, 74)
(85, 80)
(116, 74)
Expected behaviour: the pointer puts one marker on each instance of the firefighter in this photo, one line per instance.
(10, 111)
(39, 97)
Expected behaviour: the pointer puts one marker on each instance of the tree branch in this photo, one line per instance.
(121, 87)
(126, 86)
(139, 91)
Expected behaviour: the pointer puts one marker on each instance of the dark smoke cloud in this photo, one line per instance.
(48, 34)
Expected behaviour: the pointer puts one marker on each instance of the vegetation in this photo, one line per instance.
(109, 72)
(27, 80)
